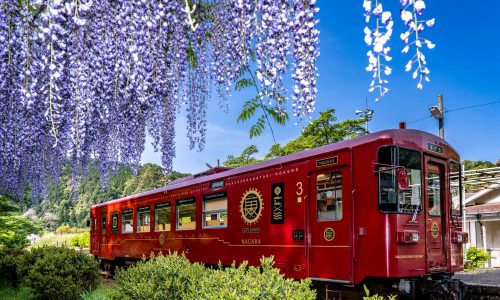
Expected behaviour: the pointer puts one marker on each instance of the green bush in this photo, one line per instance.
(245, 282)
(478, 256)
(174, 277)
(58, 272)
(65, 229)
(81, 240)
(161, 277)
(9, 260)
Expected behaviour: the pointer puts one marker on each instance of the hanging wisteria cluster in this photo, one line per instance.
(378, 37)
(83, 79)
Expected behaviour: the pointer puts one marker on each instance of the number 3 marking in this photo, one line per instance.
(300, 190)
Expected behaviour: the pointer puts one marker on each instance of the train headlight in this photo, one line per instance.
(408, 237)
(460, 237)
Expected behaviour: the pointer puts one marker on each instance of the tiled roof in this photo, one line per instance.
(489, 208)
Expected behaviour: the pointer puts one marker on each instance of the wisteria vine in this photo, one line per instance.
(378, 37)
(84, 79)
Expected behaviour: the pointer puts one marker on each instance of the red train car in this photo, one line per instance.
(382, 209)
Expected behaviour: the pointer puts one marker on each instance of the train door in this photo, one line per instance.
(102, 233)
(330, 231)
(95, 232)
(435, 214)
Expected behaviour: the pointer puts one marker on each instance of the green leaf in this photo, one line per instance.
(243, 83)
(258, 127)
(248, 110)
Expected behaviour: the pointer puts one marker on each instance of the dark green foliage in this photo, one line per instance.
(58, 272)
(244, 159)
(174, 277)
(478, 164)
(478, 256)
(9, 260)
(320, 132)
(71, 204)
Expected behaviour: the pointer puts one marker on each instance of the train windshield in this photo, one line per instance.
(455, 188)
(393, 198)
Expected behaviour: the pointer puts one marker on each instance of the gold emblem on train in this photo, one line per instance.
(251, 206)
(329, 234)
(162, 239)
(435, 230)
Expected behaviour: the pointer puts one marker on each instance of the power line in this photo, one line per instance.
(472, 106)
(420, 119)
(455, 109)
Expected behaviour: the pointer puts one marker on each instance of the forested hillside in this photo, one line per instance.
(68, 202)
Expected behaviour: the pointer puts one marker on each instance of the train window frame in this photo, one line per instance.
(460, 189)
(103, 223)
(169, 215)
(218, 212)
(114, 225)
(393, 206)
(183, 203)
(434, 193)
(124, 224)
(328, 204)
(146, 227)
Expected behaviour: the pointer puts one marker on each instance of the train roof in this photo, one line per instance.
(225, 173)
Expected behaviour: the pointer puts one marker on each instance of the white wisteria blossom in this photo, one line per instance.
(378, 38)
(411, 15)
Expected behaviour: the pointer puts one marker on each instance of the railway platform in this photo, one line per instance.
(481, 284)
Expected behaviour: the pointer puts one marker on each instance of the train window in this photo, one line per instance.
(455, 188)
(103, 223)
(329, 196)
(186, 214)
(127, 219)
(162, 217)
(391, 197)
(215, 210)
(434, 193)
(143, 224)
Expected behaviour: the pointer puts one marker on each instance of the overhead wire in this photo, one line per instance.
(455, 109)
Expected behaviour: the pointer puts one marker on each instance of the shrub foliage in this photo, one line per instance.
(9, 260)
(174, 277)
(58, 272)
(81, 240)
(478, 256)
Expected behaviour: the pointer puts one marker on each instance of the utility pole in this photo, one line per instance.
(438, 113)
(365, 113)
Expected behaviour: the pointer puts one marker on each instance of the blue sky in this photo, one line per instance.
(465, 68)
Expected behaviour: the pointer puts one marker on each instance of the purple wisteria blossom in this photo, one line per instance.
(87, 79)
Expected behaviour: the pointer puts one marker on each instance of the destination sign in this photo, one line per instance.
(327, 161)
(435, 148)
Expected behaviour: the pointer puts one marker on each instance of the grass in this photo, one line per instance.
(103, 292)
(8, 293)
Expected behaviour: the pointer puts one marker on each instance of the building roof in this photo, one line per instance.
(489, 208)
(472, 199)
